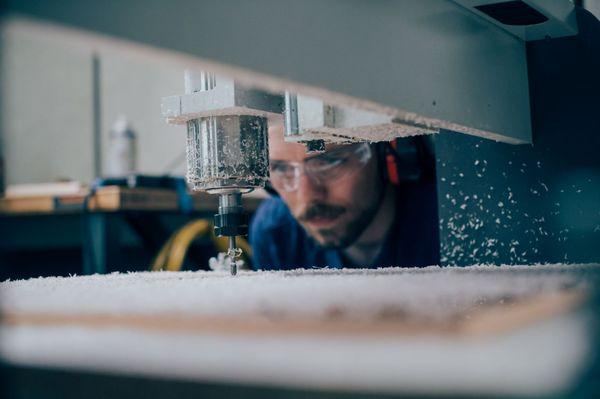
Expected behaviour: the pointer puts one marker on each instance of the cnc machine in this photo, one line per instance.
(423, 68)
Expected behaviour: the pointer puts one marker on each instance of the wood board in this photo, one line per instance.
(485, 320)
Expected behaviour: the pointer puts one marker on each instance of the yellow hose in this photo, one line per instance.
(183, 239)
(163, 254)
(172, 254)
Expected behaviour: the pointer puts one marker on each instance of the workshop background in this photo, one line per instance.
(61, 98)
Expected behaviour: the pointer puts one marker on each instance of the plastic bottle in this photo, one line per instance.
(122, 149)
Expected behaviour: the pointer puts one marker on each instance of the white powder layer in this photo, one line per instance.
(434, 293)
(544, 358)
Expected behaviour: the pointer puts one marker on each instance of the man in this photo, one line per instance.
(340, 209)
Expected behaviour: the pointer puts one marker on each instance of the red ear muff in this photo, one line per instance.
(392, 165)
(407, 159)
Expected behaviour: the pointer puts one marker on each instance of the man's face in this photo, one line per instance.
(334, 212)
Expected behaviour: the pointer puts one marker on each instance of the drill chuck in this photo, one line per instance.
(231, 224)
(231, 220)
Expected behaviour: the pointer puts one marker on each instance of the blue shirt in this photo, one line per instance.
(280, 243)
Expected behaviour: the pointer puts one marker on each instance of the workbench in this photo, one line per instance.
(482, 331)
(101, 222)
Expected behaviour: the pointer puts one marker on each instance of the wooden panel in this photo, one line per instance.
(484, 320)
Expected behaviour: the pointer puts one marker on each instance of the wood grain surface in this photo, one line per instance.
(483, 320)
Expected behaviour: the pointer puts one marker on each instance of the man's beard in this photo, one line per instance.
(339, 237)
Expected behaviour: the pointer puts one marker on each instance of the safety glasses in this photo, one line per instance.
(334, 164)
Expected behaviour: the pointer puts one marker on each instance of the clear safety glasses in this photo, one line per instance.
(330, 165)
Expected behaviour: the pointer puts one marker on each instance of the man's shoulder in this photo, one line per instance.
(278, 242)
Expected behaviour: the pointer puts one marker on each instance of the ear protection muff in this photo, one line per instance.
(407, 159)
(391, 163)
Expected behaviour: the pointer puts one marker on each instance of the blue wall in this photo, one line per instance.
(507, 204)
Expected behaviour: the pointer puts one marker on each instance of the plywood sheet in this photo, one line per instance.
(449, 301)
(433, 331)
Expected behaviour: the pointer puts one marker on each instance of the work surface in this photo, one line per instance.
(433, 330)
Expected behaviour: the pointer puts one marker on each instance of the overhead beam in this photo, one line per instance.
(429, 61)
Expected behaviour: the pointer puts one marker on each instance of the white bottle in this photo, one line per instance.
(122, 151)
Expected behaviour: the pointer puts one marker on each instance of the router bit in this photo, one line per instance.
(231, 221)
(231, 253)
